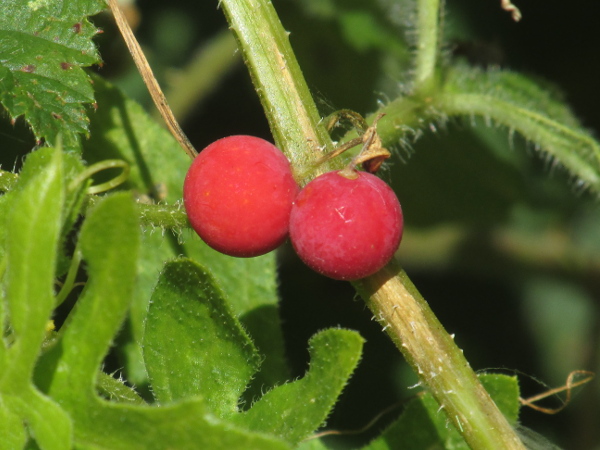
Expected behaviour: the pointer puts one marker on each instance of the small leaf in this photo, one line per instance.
(116, 390)
(522, 105)
(43, 47)
(294, 410)
(424, 425)
(193, 344)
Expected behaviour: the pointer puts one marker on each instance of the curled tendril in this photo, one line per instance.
(98, 167)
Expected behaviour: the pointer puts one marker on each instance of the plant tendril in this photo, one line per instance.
(98, 167)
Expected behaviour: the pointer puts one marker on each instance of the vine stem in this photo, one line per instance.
(292, 114)
(393, 299)
(435, 357)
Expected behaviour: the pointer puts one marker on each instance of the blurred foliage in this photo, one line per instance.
(502, 243)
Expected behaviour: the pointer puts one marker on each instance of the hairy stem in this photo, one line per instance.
(389, 293)
(291, 112)
(435, 357)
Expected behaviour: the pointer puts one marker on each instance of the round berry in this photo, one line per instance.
(346, 228)
(238, 195)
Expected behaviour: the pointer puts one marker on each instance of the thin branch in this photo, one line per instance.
(150, 80)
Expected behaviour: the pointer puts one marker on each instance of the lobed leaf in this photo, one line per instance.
(424, 425)
(68, 371)
(33, 226)
(520, 104)
(43, 47)
(295, 410)
(193, 344)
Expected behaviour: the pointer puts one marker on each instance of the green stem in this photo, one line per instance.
(172, 217)
(296, 127)
(435, 357)
(428, 29)
(289, 107)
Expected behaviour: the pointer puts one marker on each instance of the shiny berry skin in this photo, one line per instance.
(346, 228)
(238, 195)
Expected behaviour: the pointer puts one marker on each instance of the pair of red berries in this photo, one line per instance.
(242, 200)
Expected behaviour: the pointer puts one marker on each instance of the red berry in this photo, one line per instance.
(238, 195)
(346, 228)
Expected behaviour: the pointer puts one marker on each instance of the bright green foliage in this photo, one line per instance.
(33, 230)
(194, 347)
(43, 46)
(120, 128)
(424, 425)
(515, 101)
(110, 247)
(193, 344)
(295, 410)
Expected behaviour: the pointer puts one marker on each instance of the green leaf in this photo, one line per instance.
(296, 409)
(505, 391)
(33, 224)
(109, 242)
(521, 105)
(121, 129)
(43, 46)
(424, 425)
(193, 344)
(48, 424)
(115, 390)
(11, 426)
(33, 229)
(184, 425)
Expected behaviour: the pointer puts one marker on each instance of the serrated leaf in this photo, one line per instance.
(43, 46)
(520, 104)
(424, 425)
(120, 128)
(296, 409)
(193, 344)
